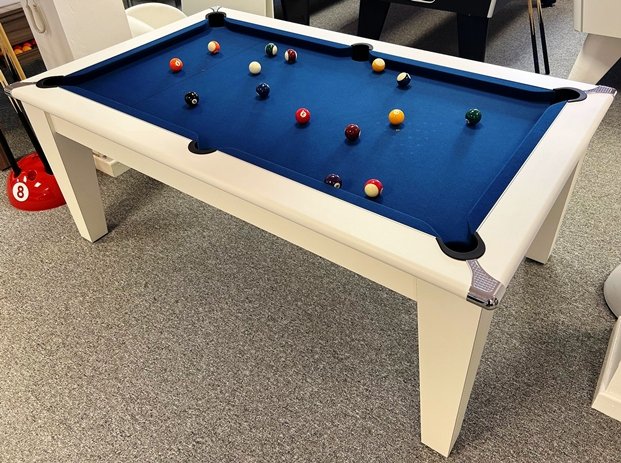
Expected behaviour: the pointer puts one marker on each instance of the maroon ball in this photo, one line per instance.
(291, 56)
(352, 132)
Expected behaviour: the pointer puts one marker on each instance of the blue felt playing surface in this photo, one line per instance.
(439, 175)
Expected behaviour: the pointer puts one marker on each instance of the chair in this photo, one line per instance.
(259, 7)
(154, 15)
(137, 27)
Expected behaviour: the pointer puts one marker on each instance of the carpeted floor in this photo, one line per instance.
(185, 335)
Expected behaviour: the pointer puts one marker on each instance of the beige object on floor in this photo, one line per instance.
(608, 391)
(601, 19)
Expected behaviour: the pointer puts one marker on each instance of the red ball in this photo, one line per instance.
(302, 116)
(291, 56)
(175, 64)
(352, 132)
(373, 188)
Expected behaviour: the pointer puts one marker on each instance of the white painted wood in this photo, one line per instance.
(608, 392)
(451, 336)
(452, 331)
(541, 247)
(74, 170)
(108, 165)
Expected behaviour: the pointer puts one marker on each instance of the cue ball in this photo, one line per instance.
(254, 68)
(271, 49)
(191, 98)
(373, 188)
(378, 65)
(175, 64)
(404, 79)
(291, 56)
(396, 117)
(302, 116)
(352, 132)
(263, 90)
(334, 180)
(213, 47)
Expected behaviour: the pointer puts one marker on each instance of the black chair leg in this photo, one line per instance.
(371, 18)
(472, 36)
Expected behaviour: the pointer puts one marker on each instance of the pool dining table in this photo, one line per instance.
(461, 207)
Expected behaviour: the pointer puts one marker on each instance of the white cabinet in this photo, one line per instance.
(69, 29)
(601, 19)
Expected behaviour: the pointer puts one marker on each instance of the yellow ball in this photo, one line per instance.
(378, 65)
(396, 117)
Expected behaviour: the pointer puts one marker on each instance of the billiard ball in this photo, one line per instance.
(404, 79)
(473, 116)
(271, 49)
(378, 65)
(291, 56)
(302, 116)
(191, 98)
(396, 117)
(213, 47)
(175, 64)
(333, 180)
(263, 90)
(352, 132)
(373, 188)
(254, 68)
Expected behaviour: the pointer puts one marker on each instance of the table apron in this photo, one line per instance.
(295, 233)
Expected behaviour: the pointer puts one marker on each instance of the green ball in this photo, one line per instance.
(473, 116)
(271, 49)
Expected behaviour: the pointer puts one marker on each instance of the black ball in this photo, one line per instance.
(334, 180)
(263, 90)
(191, 98)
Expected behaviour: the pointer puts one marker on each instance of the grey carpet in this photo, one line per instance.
(185, 335)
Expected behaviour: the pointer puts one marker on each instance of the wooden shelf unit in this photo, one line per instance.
(17, 29)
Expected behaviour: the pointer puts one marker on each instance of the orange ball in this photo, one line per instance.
(378, 65)
(175, 64)
(396, 117)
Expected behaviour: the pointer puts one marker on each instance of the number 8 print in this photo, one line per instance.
(20, 192)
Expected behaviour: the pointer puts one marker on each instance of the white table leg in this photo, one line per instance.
(599, 53)
(74, 169)
(608, 392)
(543, 243)
(451, 336)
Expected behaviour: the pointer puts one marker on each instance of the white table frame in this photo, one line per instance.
(452, 330)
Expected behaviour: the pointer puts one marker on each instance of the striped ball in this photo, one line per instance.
(404, 79)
